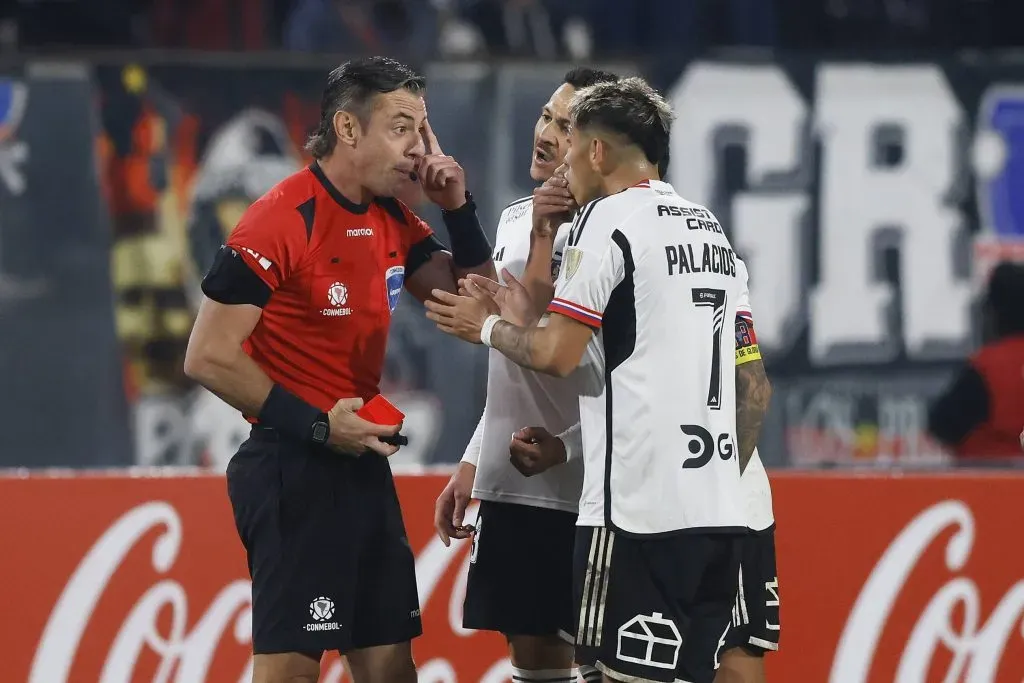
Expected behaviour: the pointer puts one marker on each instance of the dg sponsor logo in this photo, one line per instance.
(393, 280)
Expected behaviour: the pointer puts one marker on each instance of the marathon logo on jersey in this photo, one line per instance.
(716, 259)
(556, 265)
(337, 296)
(359, 232)
(13, 152)
(517, 211)
(322, 609)
(394, 278)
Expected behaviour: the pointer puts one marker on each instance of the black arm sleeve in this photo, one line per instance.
(420, 253)
(231, 281)
(961, 409)
(470, 246)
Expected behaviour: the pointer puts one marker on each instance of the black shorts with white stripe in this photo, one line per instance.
(755, 616)
(655, 609)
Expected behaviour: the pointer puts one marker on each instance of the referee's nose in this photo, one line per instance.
(418, 149)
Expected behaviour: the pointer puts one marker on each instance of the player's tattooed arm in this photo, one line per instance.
(520, 345)
(753, 394)
(554, 350)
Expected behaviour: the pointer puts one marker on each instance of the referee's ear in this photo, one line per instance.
(347, 127)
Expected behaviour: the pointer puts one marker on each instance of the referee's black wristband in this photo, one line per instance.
(470, 246)
(289, 414)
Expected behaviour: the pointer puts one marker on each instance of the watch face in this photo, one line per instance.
(320, 432)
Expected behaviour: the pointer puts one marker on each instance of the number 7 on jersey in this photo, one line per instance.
(704, 297)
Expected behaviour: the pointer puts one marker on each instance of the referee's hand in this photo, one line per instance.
(353, 435)
(441, 176)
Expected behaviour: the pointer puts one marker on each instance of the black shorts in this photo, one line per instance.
(330, 563)
(520, 571)
(755, 617)
(654, 609)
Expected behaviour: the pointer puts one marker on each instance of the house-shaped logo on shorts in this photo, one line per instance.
(650, 641)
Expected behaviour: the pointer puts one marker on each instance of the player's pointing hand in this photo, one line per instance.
(513, 299)
(460, 316)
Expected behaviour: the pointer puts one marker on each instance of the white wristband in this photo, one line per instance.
(487, 327)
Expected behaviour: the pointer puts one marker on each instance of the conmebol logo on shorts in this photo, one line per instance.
(322, 609)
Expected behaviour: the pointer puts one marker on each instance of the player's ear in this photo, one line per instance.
(598, 153)
(347, 127)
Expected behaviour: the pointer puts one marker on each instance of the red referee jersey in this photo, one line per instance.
(336, 270)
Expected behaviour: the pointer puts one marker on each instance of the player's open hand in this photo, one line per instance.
(353, 435)
(513, 300)
(553, 204)
(450, 508)
(534, 450)
(442, 178)
(459, 316)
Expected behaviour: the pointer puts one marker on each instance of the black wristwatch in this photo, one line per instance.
(321, 430)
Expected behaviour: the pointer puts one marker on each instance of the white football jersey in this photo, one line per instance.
(656, 275)
(757, 490)
(517, 397)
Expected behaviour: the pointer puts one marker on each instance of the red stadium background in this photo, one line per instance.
(141, 578)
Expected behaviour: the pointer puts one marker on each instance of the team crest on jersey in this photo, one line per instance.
(393, 280)
(571, 261)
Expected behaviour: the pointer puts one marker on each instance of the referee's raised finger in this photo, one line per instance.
(430, 140)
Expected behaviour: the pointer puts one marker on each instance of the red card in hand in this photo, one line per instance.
(380, 411)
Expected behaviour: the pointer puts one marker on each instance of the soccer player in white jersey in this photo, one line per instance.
(755, 616)
(520, 576)
(647, 282)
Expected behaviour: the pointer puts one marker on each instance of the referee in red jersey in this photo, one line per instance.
(292, 331)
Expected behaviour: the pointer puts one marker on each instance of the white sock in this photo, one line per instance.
(545, 675)
(589, 674)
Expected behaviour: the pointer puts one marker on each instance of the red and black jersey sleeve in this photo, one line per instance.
(420, 241)
(262, 251)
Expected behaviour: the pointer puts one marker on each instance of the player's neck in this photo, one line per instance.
(345, 178)
(627, 176)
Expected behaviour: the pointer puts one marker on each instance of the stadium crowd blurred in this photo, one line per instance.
(540, 28)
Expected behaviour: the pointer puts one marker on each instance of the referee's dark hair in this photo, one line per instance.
(629, 108)
(583, 77)
(351, 87)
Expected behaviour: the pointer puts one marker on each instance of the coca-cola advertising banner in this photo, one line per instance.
(118, 579)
